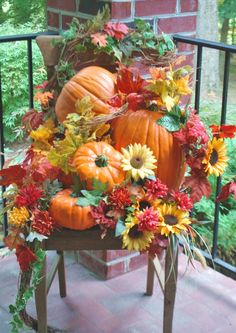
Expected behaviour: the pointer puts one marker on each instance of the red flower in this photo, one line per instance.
(229, 188)
(42, 222)
(182, 200)
(28, 196)
(155, 189)
(100, 217)
(25, 257)
(194, 133)
(148, 219)
(120, 198)
(116, 30)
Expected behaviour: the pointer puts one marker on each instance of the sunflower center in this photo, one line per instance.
(134, 232)
(144, 204)
(214, 157)
(136, 162)
(170, 219)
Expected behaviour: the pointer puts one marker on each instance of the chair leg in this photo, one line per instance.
(61, 274)
(150, 277)
(41, 300)
(171, 272)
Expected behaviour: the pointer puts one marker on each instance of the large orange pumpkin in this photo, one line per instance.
(68, 214)
(100, 161)
(141, 127)
(93, 81)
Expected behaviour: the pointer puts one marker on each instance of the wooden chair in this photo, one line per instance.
(68, 240)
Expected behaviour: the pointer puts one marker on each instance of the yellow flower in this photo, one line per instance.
(18, 216)
(138, 161)
(215, 160)
(133, 239)
(174, 220)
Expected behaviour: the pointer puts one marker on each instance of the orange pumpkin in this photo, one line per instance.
(68, 214)
(100, 161)
(93, 81)
(141, 127)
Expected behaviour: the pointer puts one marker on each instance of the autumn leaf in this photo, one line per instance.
(12, 175)
(61, 153)
(198, 185)
(129, 80)
(43, 97)
(84, 106)
(14, 238)
(135, 101)
(223, 131)
(32, 120)
(229, 188)
(116, 101)
(99, 39)
(117, 30)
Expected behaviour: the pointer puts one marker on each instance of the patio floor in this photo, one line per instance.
(205, 303)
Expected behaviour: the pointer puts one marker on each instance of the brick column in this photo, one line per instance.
(169, 16)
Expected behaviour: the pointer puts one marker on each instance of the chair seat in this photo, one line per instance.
(69, 240)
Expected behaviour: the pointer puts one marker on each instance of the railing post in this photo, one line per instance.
(30, 73)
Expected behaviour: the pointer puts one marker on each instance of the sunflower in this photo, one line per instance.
(138, 161)
(174, 220)
(215, 160)
(135, 239)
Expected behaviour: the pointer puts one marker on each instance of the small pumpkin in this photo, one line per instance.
(141, 127)
(68, 214)
(100, 161)
(93, 81)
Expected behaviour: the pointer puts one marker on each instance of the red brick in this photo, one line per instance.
(177, 24)
(120, 10)
(62, 4)
(66, 20)
(154, 7)
(189, 5)
(53, 19)
(111, 255)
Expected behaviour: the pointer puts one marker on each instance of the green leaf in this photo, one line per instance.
(80, 48)
(120, 227)
(117, 53)
(170, 123)
(83, 202)
(97, 185)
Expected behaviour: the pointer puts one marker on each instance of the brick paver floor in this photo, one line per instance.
(205, 303)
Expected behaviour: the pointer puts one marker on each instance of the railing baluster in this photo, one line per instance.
(2, 159)
(198, 78)
(223, 120)
(30, 73)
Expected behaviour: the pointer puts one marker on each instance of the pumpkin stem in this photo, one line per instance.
(101, 161)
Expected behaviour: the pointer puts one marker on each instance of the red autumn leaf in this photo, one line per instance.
(229, 188)
(116, 29)
(13, 238)
(42, 169)
(116, 101)
(198, 185)
(32, 119)
(223, 131)
(129, 80)
(11, 175)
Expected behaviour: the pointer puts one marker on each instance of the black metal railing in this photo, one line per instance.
(200, 44)
(228, 50)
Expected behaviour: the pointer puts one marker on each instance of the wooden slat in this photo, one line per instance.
(69, 240)
(159, 273)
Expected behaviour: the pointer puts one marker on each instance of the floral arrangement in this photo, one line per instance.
(111, 151)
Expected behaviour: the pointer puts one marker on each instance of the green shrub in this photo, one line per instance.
(14, 73)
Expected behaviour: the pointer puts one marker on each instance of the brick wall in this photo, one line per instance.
(169, 16)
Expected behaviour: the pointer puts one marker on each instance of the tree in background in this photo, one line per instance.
(23, 11)
(207, 28)
(227, 16)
